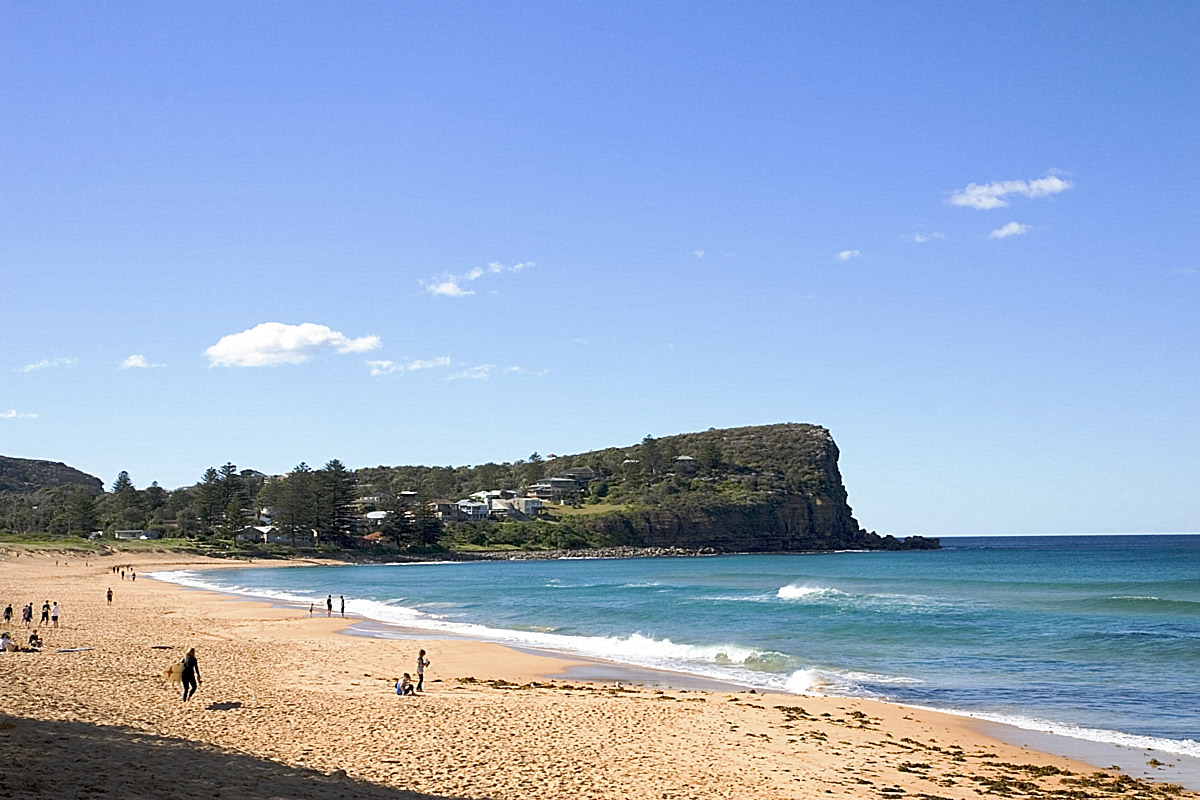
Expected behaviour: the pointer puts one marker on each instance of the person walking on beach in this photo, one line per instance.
(329, 606)
(54, 615)
(191, 674)
(27, 615)
(343, 598)
(109, 595)
(8, 614)
(422, 663)
(45, 620)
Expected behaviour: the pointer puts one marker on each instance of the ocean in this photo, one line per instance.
(1095, 637)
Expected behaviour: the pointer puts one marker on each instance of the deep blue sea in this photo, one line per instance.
(1096, 637)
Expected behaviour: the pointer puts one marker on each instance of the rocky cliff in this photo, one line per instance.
(30, 475)
(771, 488)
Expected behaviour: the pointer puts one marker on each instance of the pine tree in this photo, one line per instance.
(336, 487)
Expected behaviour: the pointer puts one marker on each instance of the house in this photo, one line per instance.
(555, 489)
(370, 501)
(686, 465)
(472, 511)
(303, 538)
(375, 518)
(527, 505)
(254, 533)
(581, 475)
(443, 509)
(138, 534)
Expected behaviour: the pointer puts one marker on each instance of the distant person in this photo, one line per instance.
(132, 575)
(310, 609)
(109, 595)
(343, 597)
(8, 614)
(122, 574)
(54, 615)
(405, 685)
(329, 606)
(35, 642)
(6, 642)
(45, 620)
(422, 663)
(27, 614)
(191, 674)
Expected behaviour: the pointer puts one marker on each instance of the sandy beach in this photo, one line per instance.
(289, 708)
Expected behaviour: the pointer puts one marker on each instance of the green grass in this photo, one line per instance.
(584, 511)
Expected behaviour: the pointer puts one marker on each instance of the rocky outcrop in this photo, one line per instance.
(30, 475)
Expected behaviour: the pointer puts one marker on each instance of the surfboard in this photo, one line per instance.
(174, 672)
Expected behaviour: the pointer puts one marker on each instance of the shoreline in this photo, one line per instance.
(1173, 767)
(491, 722)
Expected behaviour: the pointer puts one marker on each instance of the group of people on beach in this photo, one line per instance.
(50, 615)
(123, 569)
(405, 684)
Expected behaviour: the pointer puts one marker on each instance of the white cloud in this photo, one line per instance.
(698, 253)
(271, 343)
(984, 196)
(49, 363)
(1011, 229)
(921, 238)
(479, 373)
(1183, 271)
(389, 367)
(14, 414)
(846, 255)
(452, 285)
(138, 361)
(448, 288)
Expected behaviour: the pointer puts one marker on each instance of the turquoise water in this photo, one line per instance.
(1095, 636)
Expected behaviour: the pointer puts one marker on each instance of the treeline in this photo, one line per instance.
(223, 502)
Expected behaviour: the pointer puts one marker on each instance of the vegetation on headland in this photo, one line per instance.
(766, 488)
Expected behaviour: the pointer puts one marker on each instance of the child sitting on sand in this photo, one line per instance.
(405, 685)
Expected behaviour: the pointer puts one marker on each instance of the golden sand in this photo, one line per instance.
(288, 708)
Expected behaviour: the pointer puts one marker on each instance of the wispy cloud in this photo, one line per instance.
(1183, 271)
(272, 343)
(391, 367)
(449, 285)
(846, 255)
(698, 253)
(985, 196)
(921, 238)
(478, 373)
(1011, 229)
(14, 414)
(138, 361)
(49, 363)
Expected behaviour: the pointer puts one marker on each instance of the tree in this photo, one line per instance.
(297, 503)
(650, 454)
(209, 508)
(398, 524)
(81, 512)
(336, 501)
(709, 454)
(123, 484)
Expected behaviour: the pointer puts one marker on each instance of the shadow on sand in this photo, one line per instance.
(77, 759)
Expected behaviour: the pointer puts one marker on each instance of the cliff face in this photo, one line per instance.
(772, 488)
(29, 475)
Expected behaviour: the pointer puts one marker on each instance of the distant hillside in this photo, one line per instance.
(30, 475)
(768, 488)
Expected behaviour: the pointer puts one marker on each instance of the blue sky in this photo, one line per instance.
(962, 236)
